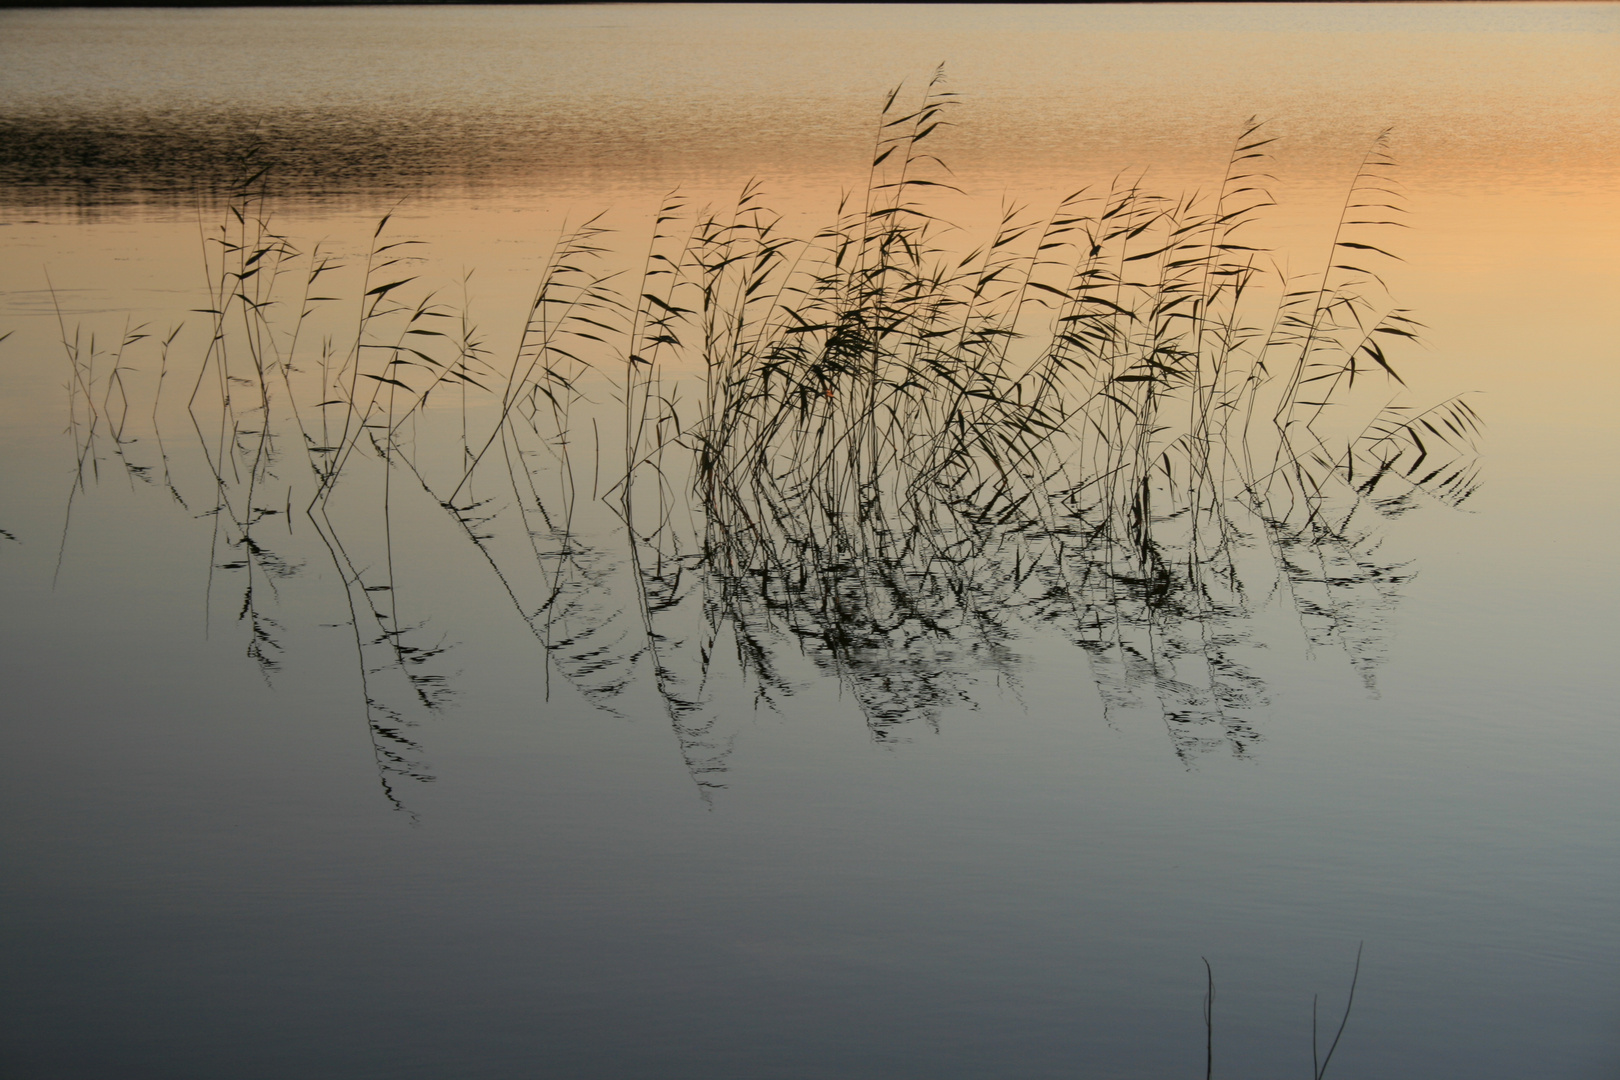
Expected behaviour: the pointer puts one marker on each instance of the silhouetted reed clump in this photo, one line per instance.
(866, 448)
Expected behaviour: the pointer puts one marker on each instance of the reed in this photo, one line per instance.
(1319, 1060)
(1114, 419)
(1120, 356)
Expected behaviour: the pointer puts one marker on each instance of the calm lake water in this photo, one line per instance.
(597, 717)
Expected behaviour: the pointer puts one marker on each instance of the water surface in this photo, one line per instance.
(513, 788)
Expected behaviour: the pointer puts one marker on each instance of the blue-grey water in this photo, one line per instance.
(576, 828)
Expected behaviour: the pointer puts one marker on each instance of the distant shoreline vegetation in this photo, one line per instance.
(175, 157)
(860, 452)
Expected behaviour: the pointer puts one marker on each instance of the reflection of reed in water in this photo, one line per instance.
(898, 460)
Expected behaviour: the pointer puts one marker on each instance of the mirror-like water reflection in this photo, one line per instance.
(889, 635)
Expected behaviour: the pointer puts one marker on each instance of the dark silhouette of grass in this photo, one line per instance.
(1113, 420)
(1319, 1060)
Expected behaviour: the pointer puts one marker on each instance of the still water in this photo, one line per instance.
(909, 674)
